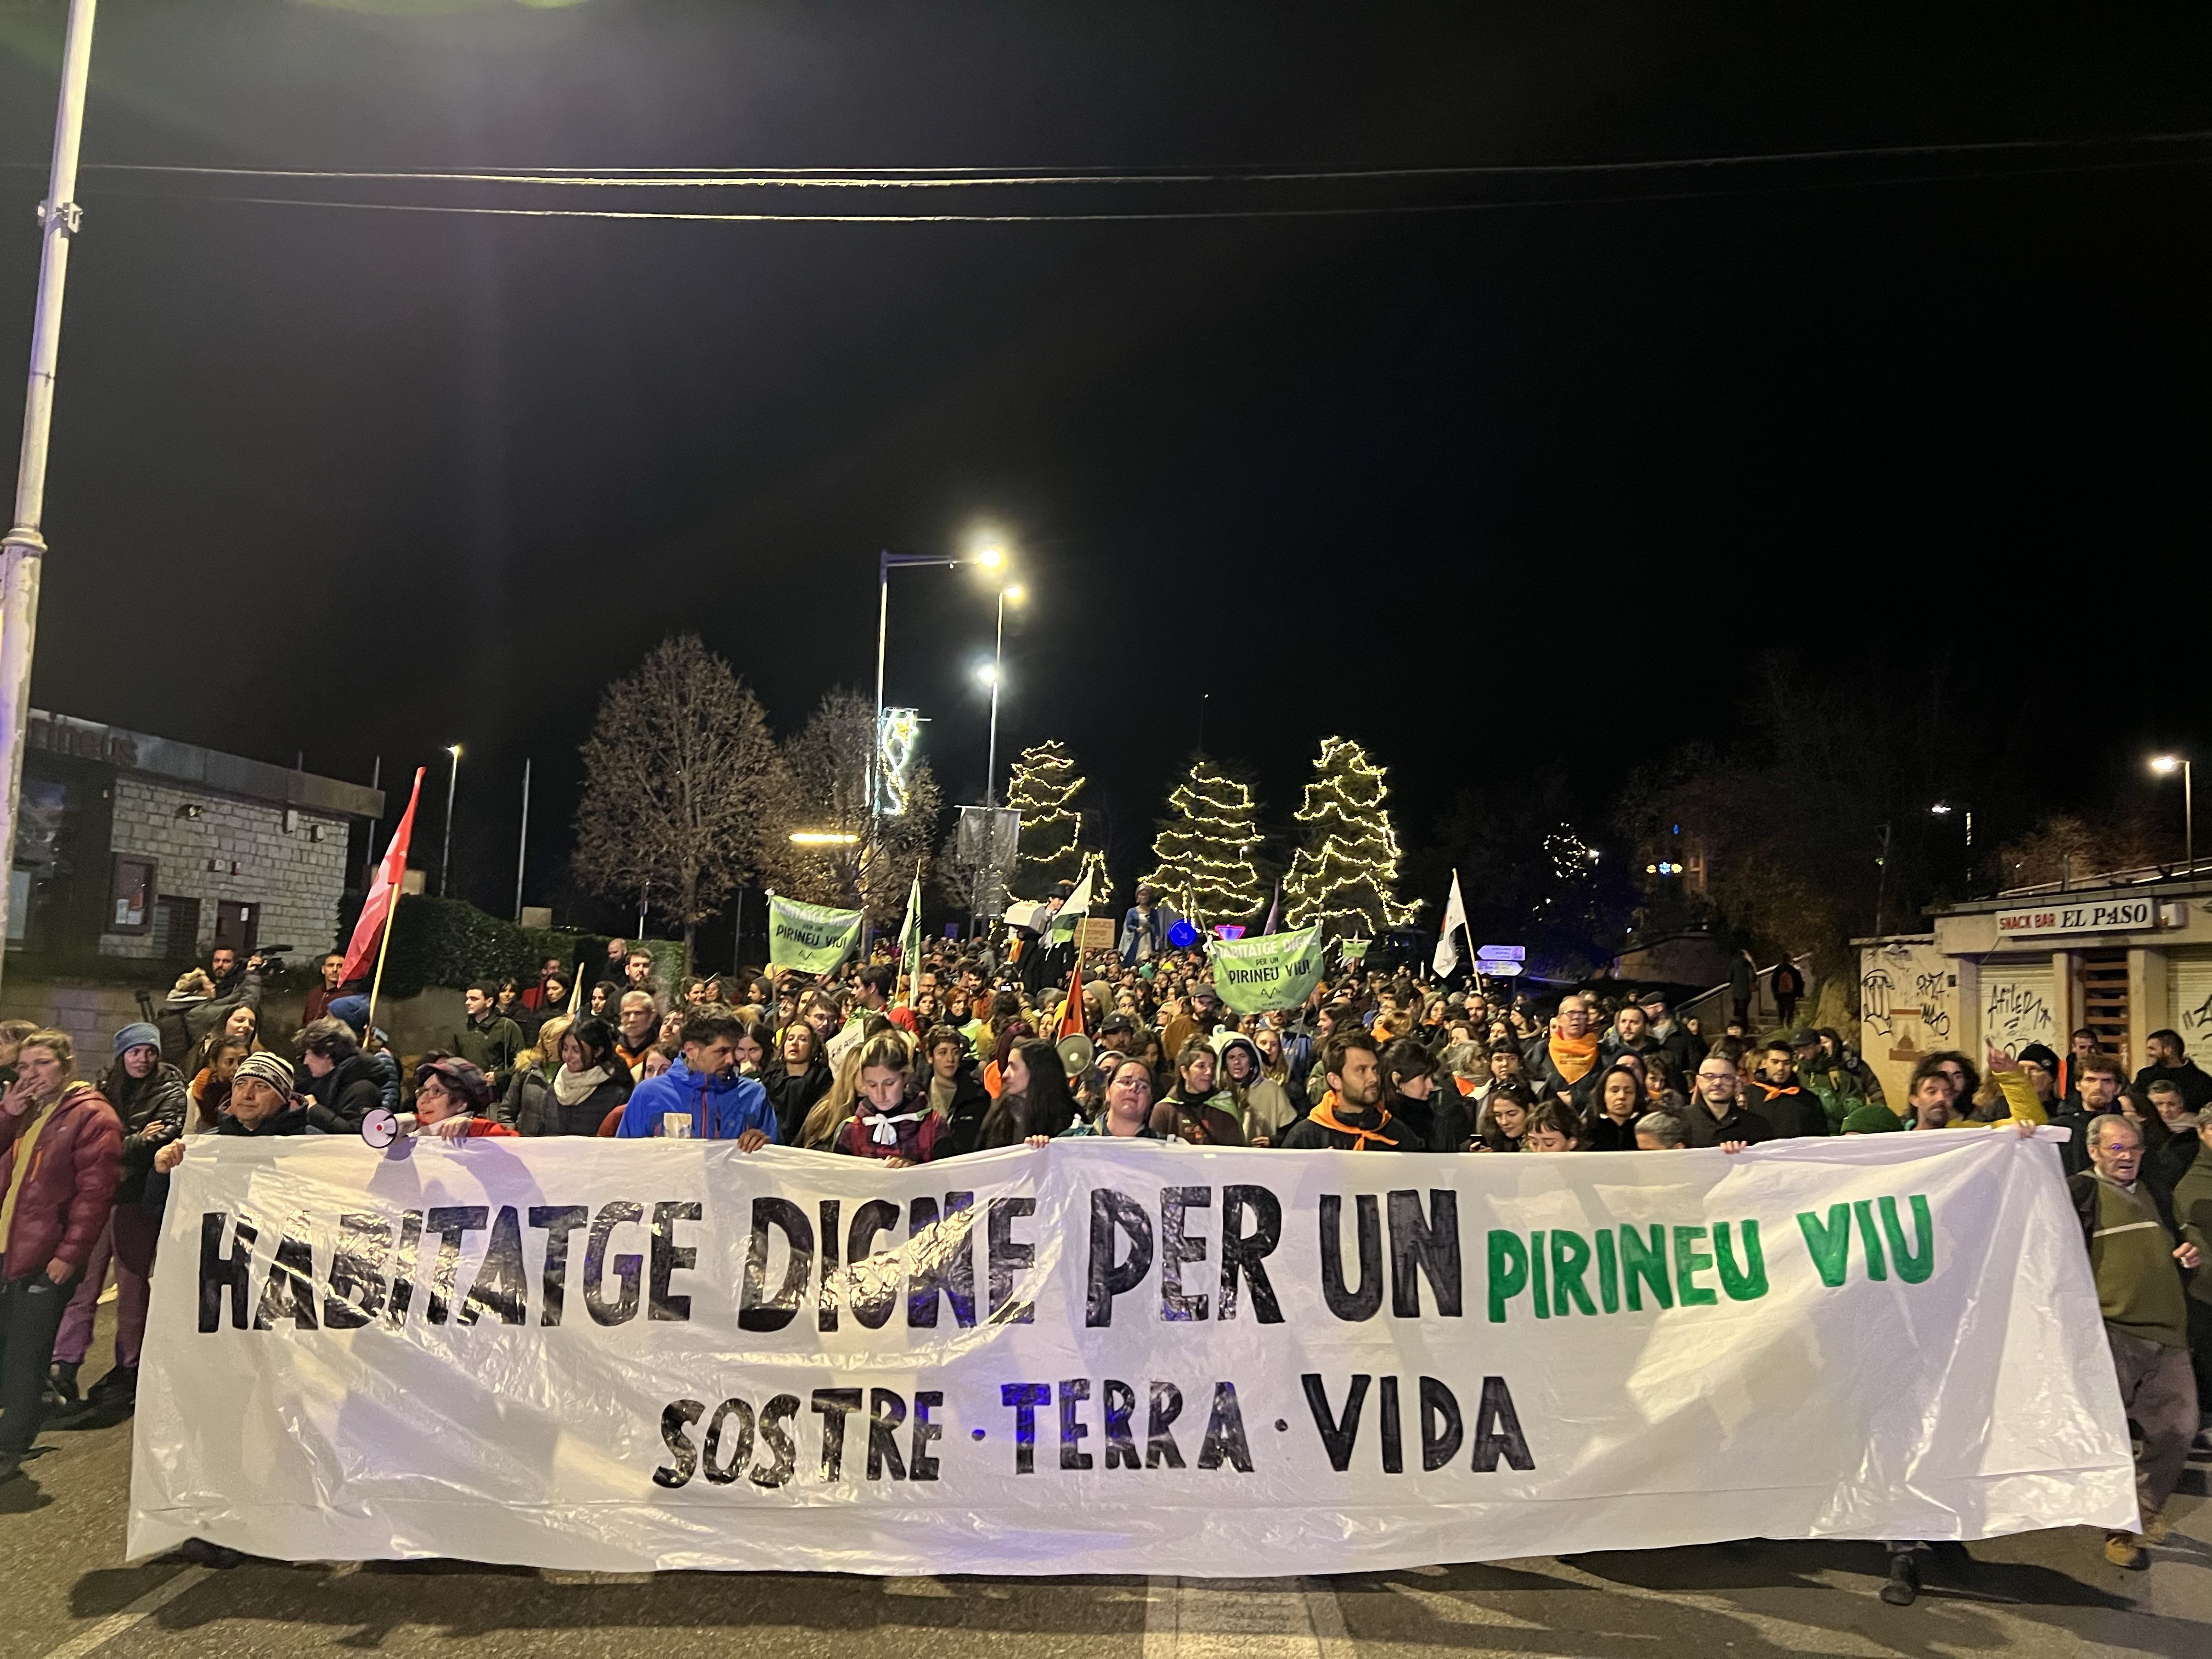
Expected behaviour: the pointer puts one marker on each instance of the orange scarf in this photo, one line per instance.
(1573, 1056)
(1325, 1115)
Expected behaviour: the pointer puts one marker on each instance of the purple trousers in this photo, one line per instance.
(128, 1240)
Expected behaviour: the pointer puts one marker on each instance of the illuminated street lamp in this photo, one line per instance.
(1943, 809)
(985, 548)
(823, 838)
(2166, 766)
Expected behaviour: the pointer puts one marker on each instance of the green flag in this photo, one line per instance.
(1353, 949)
(910, 939)
(809, 937)
(1276, 970)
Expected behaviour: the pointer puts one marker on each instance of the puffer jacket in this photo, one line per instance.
(76, 1167)
(152, 1114)
(551, 1117)
(352, 1089)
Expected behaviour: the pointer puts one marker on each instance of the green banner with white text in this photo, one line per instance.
(1276, 970)
(813, 939)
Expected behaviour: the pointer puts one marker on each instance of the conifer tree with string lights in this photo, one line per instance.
(1203, 853)
(1343, 875)
(1043, 788)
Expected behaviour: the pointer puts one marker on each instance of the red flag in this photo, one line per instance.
(367, 933)
(1071, 1016)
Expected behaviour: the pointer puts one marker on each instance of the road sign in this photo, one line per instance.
(1500, 953)
(1500, 969)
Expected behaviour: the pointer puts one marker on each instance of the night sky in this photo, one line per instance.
(1500, 492)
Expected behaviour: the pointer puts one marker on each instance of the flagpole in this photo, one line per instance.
(383, 949)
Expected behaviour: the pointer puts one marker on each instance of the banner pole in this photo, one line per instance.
(383, 949)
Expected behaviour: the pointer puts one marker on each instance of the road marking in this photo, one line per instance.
(116, 1622)
(1243, 1618)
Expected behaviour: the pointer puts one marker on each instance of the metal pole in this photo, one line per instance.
(991, 764)
(446, 857)
(882, 633)
(2188, 818)
(737, 934)
(522, 844)
(23, 550)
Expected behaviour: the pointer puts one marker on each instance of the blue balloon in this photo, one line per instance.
(1182, 935)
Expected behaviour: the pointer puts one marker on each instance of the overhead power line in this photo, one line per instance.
(973, 178)
(1750, 173)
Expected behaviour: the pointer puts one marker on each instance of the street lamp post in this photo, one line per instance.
(990, 555)
(452, 779)
(2167, 766)
(23, 550)
(993, 678)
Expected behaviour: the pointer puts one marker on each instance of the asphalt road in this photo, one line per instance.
(69, 1592)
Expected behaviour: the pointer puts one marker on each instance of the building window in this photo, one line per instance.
(131, 889)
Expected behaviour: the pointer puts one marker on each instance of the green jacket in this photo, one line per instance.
(490, 1048)
(2192, 1211)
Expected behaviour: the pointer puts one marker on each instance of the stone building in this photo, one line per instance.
(133, 847)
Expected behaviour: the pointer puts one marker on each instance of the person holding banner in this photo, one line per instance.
(1128, 1115)
(2128, 1231)
(892, 1120)
(1434, 1120)
(451, 1096)
(700, 1097)
(1192, 1109)
(1351, 1117)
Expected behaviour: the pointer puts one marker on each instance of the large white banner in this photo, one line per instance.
(1114, 1356)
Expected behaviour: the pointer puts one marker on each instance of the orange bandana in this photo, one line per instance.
(1325, 1115)
(1574, 1056)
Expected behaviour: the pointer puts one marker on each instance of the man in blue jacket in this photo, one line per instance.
(700, 1097)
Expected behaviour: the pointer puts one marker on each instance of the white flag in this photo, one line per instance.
(1078, 906)
(1447, 957)
(909, 936)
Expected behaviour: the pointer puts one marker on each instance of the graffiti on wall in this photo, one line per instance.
(2016, 1012)
(1905, 993)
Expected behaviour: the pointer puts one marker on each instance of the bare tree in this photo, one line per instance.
(861, 867)
(685, 791)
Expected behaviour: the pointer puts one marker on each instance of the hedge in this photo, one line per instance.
(449, 942)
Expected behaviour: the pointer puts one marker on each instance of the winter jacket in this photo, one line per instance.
(2188, 1077)
(538, 1110)
(1790, 1107)
(383, 1065)
(719, 1108)
(185, 1019)
(963, 1130)
(794, 1097)
(919, 1138)
(350, 1092)
(1605, 1134)
(1741, 1124)
(151, 1111)
(1684, 1052)
(76, 1164)
(490, 1044)
(1444, 1122)
(1208, 1122)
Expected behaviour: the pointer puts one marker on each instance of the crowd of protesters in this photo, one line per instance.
(994, 1044)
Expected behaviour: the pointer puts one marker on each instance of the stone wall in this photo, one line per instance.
(295, 879)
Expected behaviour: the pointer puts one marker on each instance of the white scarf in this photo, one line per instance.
(571, 1089)
(882, 1127)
